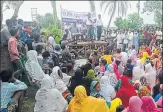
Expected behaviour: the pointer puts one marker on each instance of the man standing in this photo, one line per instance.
(74, 31)
(136, 41)
(119, 40)
(99, 27)
(89, 24)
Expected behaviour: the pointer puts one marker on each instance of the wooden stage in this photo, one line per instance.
(83, 47)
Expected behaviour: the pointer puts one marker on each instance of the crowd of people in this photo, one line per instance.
(127, 81)
(147, 35)
(90, 29)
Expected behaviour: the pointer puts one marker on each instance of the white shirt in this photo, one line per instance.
(119, 38)
(125, 39)
(88, 22)
(51, 40)
(131, 36)
(99, 22)
(159, 33)
(124, 57)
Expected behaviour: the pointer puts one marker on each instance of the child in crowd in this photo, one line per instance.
(87, 67)
(129, 65)
(95, 89)
(120, 108)
(11, 89)
(39, 49)
(15, 55)
(107, 56)
(143, 88)
(47, 63)
(102, 65)
(158, 96)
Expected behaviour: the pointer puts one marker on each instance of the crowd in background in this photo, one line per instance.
(126, 81)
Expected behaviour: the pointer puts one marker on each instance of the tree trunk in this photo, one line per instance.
(16, 11)
(139, 7)
(53, 3)
(118, 8)
(92, 6)
(114, 9)
(16, 8)
(1, 12)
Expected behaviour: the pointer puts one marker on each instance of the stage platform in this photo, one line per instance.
(89, 46)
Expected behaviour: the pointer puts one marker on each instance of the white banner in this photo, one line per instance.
(71, 16)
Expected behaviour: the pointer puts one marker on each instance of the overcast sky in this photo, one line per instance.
(78, 6)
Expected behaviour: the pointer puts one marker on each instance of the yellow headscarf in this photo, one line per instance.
(114, 104)
(83, 103)
(156, 51)
(145, 56)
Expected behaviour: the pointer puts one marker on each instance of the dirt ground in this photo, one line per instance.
(29, 101)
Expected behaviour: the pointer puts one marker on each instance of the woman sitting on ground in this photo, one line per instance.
(77, 80)
(83, 103)
(135, 104)
(126, 91)
(57, 77)
(32, 66)
(149, 105)
(48, 98)
(143, 87)
(112, 80)
(91, 75)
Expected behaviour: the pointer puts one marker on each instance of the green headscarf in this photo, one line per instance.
(91, 75)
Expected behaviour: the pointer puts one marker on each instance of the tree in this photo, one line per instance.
(15, 5)
(53, 3)
(119, 22)
(111, 6)
(92, 6)
(45, 20)
(156, 8)
(133, 21)
(138, 6)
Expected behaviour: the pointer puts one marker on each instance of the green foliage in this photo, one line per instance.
(45, 20)
(56, 32)
(119, 22)
(154, 6)
(133, 21)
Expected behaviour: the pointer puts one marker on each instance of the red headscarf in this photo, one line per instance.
(126, 91)
(148, 51)
(116, 70)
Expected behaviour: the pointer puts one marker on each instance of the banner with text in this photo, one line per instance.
(77, 17)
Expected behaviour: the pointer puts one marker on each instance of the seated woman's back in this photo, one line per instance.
(126, 91)
(49, 99)
(83, 103)
(77, 80)
(32, 66)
